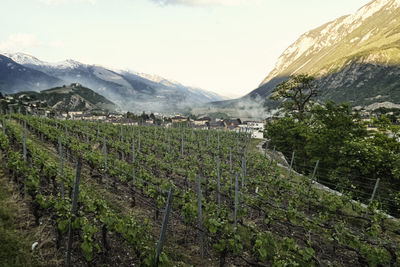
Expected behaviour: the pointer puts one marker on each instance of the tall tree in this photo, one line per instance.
(296, 94)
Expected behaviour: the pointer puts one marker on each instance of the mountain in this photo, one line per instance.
(355, 58)
(15, 77)
(203, 95)
(130, 90)
(74, 97)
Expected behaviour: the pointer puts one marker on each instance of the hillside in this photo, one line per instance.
(69, 98)
(273, 218)
(356, 58)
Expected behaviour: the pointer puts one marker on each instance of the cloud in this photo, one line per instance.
(19, 42)
(205, 2)
(53, 2)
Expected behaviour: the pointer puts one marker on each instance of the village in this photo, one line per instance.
(22, 104)
(9, 103)
(255, 128)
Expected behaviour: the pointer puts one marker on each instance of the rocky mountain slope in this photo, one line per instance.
(356, 58)
(130, 90)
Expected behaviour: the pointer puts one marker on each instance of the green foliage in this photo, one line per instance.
(283, 252)
(296, 94)
(276, 226)
(337, 137)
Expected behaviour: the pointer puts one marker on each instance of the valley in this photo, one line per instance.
(108, 166)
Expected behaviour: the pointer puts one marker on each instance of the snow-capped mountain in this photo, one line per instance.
(25, 59)
(356, 58)
(15, 77)
(129, 89)
(22, 58)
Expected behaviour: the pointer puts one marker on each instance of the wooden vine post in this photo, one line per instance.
(291, 165)
(230, 164)
(133, 173)
(312, 178)
(243, 171)
(24, 142)
(60, 152)
(73, 211)
(200, 215)
(139, 141)
(182, 141)
(236, 199)
(164, 226)
(105, 161)
(375, 188)
(218, 182)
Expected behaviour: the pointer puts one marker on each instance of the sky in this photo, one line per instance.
(224, 46)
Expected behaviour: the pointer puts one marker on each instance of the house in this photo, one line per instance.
(257, 134)
(76, 115)
(234, 123)
(94, 117)
(115, 116)
(202, 121)
(178, 119)
(97, 118)
(255, 125)
(255, 128)
(64, 115)
(216, 125)
(74, 85)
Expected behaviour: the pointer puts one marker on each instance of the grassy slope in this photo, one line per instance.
(15, 242)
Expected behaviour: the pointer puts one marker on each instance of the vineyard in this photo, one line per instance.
(130, 195)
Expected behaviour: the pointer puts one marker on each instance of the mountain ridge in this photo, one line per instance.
(350, 56)
(126, 88)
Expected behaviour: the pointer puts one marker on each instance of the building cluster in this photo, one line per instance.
(22, 101)
(255, 128)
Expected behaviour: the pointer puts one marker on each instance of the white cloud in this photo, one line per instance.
(205, 2)
(19, 42)
(52, 2)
